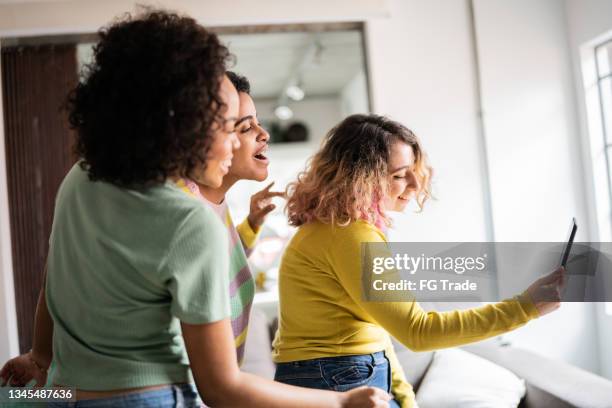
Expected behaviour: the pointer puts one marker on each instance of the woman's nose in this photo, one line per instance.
(413, 182)
(263, 135)
(235, 141)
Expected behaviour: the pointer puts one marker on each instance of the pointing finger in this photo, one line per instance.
(268, 187)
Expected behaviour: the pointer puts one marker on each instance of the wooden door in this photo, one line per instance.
(38, 144)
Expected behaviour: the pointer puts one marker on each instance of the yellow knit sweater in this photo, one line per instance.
(323, 313)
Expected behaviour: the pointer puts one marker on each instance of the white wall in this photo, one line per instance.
(534, 150)
(354, 96)
(589, 22)
(421, 70)
(530, 120)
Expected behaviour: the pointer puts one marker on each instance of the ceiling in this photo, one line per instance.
(269, 60)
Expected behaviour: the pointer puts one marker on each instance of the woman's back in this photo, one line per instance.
(319, 275)
(116, 282)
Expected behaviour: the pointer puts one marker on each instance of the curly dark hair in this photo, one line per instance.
(145, 105)
(241, 83)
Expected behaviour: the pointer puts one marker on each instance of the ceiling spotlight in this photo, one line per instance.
(283, 112)
(295, 92)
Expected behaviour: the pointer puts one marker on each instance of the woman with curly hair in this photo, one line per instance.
(135, 305)
(330, 336)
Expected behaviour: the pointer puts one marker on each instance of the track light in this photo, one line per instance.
(283, 112)
(295, 92)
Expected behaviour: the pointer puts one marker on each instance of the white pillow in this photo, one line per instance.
(457, 378)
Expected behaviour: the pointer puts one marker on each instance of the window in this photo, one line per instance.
(603, 67)
(596, 61)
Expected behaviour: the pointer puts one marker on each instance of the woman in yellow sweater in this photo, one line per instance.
(329, 337)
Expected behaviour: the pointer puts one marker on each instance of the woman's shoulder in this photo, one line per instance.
(356, 231)
(191, 216)
(164, 205)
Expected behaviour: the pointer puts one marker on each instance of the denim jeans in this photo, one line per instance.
(338, 373)
(172, 396)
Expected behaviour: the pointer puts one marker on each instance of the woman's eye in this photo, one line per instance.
(245, 130)
(398, 177)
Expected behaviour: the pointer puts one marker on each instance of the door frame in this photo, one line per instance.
(8, 311)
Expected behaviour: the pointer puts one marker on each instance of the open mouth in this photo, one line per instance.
(260, 155)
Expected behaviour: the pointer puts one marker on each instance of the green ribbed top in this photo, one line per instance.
(124, 268)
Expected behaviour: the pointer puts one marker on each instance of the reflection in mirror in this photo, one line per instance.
(303, 83)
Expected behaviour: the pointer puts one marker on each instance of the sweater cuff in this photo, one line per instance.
(528, 306)
(248, 236)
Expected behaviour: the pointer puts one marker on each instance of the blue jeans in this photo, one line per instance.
(172, 396)
(338, 373)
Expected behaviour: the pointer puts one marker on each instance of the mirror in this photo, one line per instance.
(303, 83)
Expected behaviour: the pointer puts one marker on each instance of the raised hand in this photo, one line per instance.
(261, 206)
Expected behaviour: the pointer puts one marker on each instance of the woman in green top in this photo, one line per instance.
(135, 305)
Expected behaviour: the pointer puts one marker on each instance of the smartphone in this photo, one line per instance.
(570, 241)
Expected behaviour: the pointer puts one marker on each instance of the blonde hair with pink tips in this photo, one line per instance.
(346, 179)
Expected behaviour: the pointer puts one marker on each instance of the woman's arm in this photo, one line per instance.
(33, 365)
(248, 235)
(221, 384)
(42, 343)
(420, 330)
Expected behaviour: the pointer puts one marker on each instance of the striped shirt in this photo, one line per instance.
(242, 286)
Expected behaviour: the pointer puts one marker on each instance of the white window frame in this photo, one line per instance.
(600, 139)
(597, 145)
